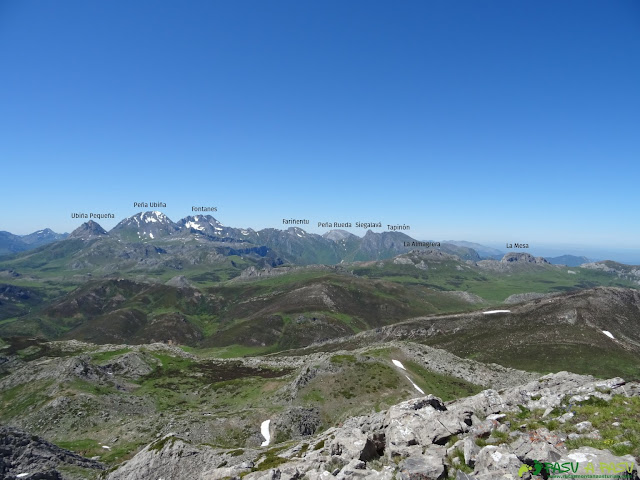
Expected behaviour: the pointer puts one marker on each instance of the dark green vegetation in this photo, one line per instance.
(33, 348)
(225, 293)
(18, 400)
(179, 383)
(442, 386)
(494, 285)
(563, 333)
(370, 382)
(546, 335)
(276, 313)
(545, 349)
(281, 312)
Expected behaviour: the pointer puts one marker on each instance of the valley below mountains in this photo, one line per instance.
(197, 350)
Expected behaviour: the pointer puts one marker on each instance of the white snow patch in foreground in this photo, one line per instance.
(106, 448)
(608, 334)
(414, 385)
(151, 234)
(264, 430)
(496, 311)
(22, 475)
(398, 364)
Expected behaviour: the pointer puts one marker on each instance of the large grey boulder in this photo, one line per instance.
(484, 403)
(352, 444)
(297, 422)
(354, 469)
(418, 421)
(429, 466)
(172, 457)
(470, 451)
(496, 460)
(131, 365)
(540, 445)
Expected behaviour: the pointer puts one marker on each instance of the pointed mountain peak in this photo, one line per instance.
(143, 218)
(88, 230)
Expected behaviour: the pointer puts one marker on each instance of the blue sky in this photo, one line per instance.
(488, 121)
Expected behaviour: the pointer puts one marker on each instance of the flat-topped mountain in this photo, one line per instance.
(521, 257)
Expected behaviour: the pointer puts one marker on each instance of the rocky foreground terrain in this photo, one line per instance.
(575, 423)
(483, 437)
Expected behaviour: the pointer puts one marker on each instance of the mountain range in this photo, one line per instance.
(10, 243)
(293, 245)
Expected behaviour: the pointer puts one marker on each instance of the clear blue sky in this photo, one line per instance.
(488, 121)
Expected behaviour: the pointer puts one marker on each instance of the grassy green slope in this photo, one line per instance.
(490, 285)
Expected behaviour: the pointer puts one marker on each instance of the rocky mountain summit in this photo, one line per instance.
(338, 235)
(489, 436)
(88, 230)
(523, 258)
(145, 225)
(514, 261)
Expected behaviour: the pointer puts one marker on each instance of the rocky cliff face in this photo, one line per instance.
(27, 456)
